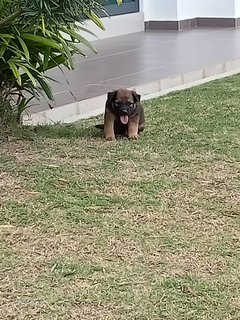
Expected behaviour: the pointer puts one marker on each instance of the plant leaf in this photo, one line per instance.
(24, 47)
(55, 61)
(3, 49)
(41, 40)
(92, 15)
(23, 105)
(80, 28)
(80, 38)
(46, 87)
(46, 55)
(6, 36)
(43, 26)
(76, 49)
(15, 71)
(67, 52)
(27, 71)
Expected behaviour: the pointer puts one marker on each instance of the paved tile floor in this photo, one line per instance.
(140, 58)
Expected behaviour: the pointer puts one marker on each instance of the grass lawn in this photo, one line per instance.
(145, 229)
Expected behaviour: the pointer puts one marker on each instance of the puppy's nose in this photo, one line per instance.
(124, 111)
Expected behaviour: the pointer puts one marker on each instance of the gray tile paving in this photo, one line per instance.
(142, 58)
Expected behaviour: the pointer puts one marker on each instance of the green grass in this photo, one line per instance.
(145, 229)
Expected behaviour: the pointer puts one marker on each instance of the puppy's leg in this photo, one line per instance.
(133, 128)
(109, 119)
(141, 127)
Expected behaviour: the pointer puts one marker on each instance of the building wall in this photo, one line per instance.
(164, 10)
(237, 8)
(188, 9)
(116, 26)
(161, 10)
(217, 8)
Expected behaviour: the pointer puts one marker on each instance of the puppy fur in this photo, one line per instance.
(124, 115)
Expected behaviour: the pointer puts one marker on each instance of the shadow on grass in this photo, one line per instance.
(56, 131)
(68, 131)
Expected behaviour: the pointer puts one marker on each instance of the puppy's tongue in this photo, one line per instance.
(124, 119)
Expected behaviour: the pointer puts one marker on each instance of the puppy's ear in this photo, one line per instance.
(111, 96)
(136, 96)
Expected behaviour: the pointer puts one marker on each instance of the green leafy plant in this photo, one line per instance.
(35, 36)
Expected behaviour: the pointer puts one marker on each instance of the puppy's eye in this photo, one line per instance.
(116, 103)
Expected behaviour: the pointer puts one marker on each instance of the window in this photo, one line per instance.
(128, 6)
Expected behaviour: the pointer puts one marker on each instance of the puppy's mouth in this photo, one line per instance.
(124, 119)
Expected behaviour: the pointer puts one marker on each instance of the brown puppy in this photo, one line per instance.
(124, 115)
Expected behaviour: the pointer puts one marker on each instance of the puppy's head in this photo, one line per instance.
(124, 103)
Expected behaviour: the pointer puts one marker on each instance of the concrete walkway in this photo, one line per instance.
(148, 61)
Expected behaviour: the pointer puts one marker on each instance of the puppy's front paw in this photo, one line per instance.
(133, 137)
(110, 138)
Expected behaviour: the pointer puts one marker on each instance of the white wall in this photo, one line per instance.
(160, 9)
(129, 23)
(187, 9)
(217, 8)
(237, 8)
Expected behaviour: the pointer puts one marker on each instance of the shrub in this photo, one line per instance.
(35, 36)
